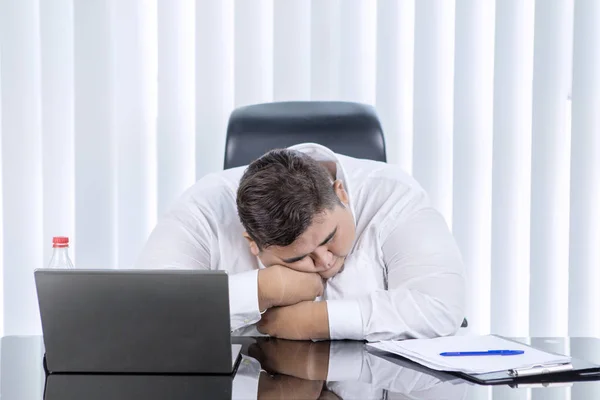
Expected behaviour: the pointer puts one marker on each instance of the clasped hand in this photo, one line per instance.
(289, 297)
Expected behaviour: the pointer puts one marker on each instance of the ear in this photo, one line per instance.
(252, 244)
(340, 191)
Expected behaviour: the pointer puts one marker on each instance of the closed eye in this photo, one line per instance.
(324, 242)
(295, 260)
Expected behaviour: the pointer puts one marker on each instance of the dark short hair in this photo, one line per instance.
(280, 194)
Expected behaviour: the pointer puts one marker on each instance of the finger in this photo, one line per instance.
(266, 323)
(256, 352)
(262, 326)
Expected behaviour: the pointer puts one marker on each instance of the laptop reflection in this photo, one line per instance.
(134, 387)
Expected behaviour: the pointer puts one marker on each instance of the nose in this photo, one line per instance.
(323, 258)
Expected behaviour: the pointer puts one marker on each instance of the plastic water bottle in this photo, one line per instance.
(60, 256)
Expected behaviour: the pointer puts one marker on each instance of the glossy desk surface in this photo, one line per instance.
(276, 369)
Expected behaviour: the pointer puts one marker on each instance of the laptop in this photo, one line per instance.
(136, 321)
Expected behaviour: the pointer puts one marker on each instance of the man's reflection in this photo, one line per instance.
(292, 369)
(341, 370)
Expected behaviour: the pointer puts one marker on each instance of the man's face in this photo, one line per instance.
(323, 247)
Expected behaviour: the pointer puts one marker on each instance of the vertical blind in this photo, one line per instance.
(110, 109)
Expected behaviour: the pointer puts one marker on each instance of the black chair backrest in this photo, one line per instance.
(346, 128)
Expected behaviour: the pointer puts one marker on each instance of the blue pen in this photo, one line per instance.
(482, 353)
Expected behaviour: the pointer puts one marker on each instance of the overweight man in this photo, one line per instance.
(319, 245)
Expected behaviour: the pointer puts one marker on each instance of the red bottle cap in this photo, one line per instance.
(60, 241)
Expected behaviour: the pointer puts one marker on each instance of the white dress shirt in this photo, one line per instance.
(404, 277)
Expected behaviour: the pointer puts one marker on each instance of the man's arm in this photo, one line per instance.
(425, 296)
(302, 321)
(173, 244)
(426, 286)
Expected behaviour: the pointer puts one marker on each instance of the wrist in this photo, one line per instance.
(264, 300)
(318, 361)
(320, 318)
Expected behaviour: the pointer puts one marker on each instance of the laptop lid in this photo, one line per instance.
(135, 321)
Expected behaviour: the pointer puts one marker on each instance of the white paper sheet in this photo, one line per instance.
(427, 352)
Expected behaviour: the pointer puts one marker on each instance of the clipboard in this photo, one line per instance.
(578, 370)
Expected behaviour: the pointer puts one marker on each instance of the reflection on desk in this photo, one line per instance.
(273, 369)
(134, 387)
(278, 369)
(342, 370)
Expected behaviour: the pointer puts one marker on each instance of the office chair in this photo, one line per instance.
(346, 128)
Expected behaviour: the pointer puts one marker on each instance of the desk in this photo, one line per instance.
(300, 370)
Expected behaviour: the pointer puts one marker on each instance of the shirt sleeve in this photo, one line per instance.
(426, 285)
(173, 244)
(245, 381)
(349, 374)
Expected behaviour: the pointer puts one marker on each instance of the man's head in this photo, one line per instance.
(295, 213)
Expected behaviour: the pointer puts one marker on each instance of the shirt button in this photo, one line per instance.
(246, 321)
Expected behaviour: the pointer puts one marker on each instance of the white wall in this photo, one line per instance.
(110, 109)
